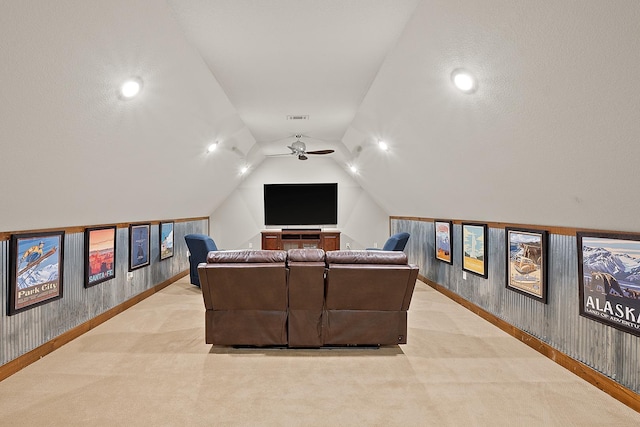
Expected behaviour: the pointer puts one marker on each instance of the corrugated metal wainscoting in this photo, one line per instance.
(607, 350)
(29, 329)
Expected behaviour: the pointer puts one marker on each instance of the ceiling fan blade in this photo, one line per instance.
(321, 152)
(279, 155)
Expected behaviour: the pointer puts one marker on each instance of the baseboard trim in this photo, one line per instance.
(37, 353)
(601, 381)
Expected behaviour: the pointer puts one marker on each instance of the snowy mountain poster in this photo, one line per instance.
(609, 279)
(166, 240)
(36, 269)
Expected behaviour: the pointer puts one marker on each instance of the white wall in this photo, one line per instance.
(72, 152)
(551, 135)
(239, 220)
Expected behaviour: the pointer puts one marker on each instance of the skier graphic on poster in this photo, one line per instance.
(37, 261)
(36, 269)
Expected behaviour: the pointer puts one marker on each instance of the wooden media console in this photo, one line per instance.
(294, 239)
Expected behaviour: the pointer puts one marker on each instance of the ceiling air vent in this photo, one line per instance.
(298, 117)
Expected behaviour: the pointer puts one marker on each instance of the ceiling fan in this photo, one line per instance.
(299, 149)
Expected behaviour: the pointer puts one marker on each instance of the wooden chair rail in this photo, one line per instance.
(564, 231)
(5, 235)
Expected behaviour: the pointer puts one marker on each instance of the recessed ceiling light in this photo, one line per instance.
(244, 170)
(212, 147)
(383, 145)
(464, 81)
(353, 168)
(131, 87)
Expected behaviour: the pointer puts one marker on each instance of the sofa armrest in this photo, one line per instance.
(413, 276)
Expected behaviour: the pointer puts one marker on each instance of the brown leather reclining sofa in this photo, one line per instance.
(306, 298)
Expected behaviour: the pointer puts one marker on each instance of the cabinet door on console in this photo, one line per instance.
(271, 242)
(331, 241)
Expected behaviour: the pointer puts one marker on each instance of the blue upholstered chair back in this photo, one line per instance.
(397, 242)
(199, 246)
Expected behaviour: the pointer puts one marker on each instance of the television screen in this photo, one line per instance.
(300, 204)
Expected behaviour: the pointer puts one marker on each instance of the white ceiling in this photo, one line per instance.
(294, 57)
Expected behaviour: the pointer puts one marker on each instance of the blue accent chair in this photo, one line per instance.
(199, 246)
(397, 242)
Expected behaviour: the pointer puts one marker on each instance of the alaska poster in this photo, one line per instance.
(100, 247)
(609, 279)
(139, 245)
(36, 269)
(443, 241)
(166, 240)
(474, 249)
(526, 262)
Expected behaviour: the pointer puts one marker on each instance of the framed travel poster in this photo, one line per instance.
(100, 255)
(166, 240)
(474, 248)
(609, 279)
(527, 262)
(139, 246)
(36, 264)
(443, 249)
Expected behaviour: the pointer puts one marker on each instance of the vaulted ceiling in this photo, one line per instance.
(294, 66)
(549, 137)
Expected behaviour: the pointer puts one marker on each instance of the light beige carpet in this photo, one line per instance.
(149, 366)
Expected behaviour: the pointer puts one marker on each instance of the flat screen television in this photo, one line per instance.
(301, 204)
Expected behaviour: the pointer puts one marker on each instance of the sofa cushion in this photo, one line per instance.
(366, 257)
(246, 256)
(305, 255)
